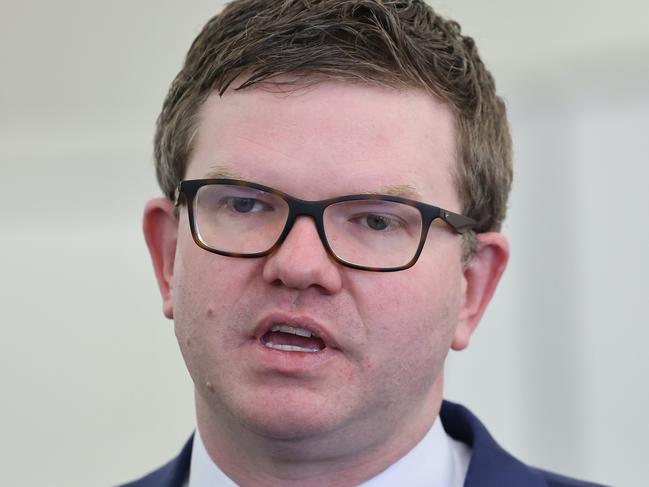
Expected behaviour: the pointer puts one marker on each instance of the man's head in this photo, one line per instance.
(319, 100)
(401, 44)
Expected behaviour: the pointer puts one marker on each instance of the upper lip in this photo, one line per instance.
(296, 321)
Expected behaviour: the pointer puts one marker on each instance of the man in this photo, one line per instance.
(335, 175)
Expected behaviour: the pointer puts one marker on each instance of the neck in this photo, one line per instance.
(346, 456)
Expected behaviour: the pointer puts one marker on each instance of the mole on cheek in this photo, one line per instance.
(210, 313)
(209, 386)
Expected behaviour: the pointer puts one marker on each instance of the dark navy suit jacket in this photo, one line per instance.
(490, 465)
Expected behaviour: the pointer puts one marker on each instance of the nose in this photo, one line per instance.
(302, 261)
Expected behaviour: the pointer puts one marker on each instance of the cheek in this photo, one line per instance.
(206, 296)
(409, 324)
(210, 326)
(411, 315)
(204, 282)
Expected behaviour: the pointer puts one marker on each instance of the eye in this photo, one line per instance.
(247, 205)
(377, 222)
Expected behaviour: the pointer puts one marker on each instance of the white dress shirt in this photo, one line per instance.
(437, 460)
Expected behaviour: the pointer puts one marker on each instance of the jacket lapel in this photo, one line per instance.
(491, 465)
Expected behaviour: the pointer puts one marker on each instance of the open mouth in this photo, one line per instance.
(292, 339)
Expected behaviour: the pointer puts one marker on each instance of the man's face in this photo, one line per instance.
(386, 334)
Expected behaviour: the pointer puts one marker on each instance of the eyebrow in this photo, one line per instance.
(222, 171)
(402, 190)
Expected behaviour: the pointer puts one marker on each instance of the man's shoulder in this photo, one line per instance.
(490, 464)
(173, 474)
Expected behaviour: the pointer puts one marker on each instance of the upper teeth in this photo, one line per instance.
(294, 331)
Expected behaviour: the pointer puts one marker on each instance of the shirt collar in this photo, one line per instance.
(437, 459)
(203, 472)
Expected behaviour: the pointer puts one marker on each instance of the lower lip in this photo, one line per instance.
(291, 363)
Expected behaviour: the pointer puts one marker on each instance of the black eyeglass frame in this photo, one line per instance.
(188, 188)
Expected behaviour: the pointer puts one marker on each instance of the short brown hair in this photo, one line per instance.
(399, 43)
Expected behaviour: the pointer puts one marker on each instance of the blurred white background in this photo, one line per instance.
(94, 391)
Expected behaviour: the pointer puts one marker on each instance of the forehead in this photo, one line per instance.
(329, 139)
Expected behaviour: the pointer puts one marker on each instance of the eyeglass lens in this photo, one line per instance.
(244, 220)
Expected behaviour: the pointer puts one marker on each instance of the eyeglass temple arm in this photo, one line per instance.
(177, 196)
(460, 223)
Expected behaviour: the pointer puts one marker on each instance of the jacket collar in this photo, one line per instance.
(490, 465)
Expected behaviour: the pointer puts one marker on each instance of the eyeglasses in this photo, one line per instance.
(363, 231)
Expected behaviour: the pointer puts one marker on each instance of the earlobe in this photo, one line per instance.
(160, 227)
(481, 276)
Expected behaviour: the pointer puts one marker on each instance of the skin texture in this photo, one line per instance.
(340, 416)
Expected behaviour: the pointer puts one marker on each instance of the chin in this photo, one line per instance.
(286, 418)
(291, 430)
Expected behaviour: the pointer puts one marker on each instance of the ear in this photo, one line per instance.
(160, 227)
(481, 275)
